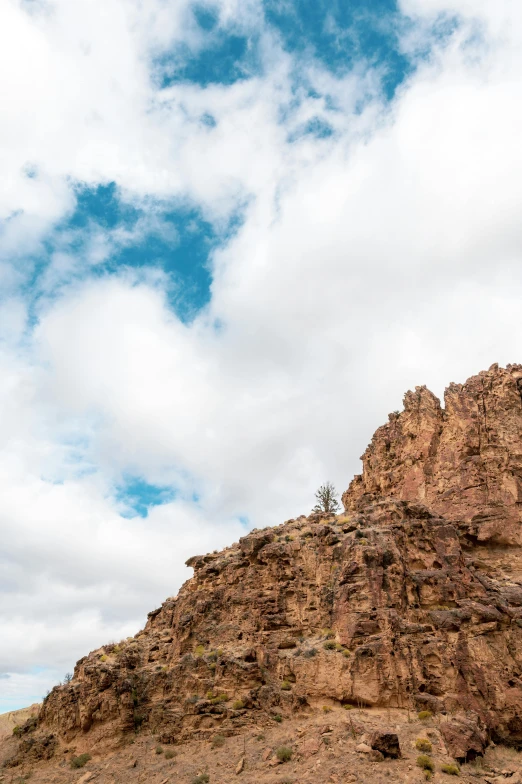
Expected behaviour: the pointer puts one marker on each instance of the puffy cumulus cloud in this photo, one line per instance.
(95, 94)
(379, 257)
(75, 569)
(80, 84)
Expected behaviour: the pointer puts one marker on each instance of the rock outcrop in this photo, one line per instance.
(463, 461)
(411, 599)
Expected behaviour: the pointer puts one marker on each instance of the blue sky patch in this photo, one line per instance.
(102, 205)
(315, 127)
(341, 35)
(138, 496)
(178, 241)
(225, 63)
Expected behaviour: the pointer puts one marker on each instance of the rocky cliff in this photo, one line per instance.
(463, 461)
(410, 599)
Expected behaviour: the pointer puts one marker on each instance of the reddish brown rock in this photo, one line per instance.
(464, 462)
(464, 737)
(412, 599)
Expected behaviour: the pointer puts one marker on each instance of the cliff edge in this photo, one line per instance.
(411, 599)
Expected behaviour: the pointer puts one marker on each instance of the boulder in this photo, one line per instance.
(387, 743)
(464, 738)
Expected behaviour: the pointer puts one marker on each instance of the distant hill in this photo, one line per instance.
(13, 718)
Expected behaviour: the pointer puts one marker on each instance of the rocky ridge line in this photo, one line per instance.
(410, 599)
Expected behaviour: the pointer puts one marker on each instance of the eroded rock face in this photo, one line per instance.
(406, 600)
(380, 607)
(464, 462)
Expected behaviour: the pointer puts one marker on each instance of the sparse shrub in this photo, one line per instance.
(359, 534)
(423, 744)
(329, 645)
(17, 731)
(260, 737)
(103, 657)
(451, 770)
(199, 650)
(347, 706)
(425, 715)
(170, 754)
(326, 499)
(219, 698)
(424, 762)
(238, 704)
(286, 686)
(117, 649)
(68, 678)
(203, 778)
(80, 761)
(159, 750)
(339, 647)
(310, 653)
(278, 718)
(284, 753)
(328, 633)
(218, 741)
(346, 653)
(327, 709)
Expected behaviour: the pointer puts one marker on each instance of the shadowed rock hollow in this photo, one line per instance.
(412, 598)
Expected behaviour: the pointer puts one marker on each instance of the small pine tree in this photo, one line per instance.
(326, 499)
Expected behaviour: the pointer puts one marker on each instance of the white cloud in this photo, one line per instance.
(385, 256)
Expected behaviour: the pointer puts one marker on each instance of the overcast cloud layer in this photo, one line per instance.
(368, 242)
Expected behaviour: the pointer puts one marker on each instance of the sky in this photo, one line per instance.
(232, 234)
